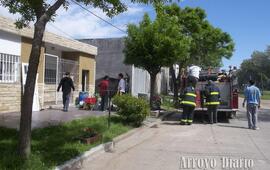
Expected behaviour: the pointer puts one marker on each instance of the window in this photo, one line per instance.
(9, 68)
(50, 69)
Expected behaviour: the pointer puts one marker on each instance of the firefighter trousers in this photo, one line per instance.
(212, 113)
(187, 116)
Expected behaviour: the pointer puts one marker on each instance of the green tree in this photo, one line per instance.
(41, 12)
(256, 68)
(155, 44)
(208, 44)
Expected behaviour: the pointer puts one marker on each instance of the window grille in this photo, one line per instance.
(70, 66)
(9, 68)
(50, 69)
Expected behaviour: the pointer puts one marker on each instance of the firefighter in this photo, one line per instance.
(188, 103)
(212, 95)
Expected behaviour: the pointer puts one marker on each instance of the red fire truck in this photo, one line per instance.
(227, 83)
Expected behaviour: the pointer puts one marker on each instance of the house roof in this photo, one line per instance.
(8, 25)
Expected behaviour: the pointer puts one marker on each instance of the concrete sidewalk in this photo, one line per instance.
(164, 147)
(47, 117)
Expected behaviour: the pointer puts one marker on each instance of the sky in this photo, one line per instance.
(247, 21)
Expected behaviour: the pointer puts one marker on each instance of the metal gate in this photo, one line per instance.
(55, 69)
(71, 66)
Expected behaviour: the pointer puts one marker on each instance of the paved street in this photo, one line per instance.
(169, 145)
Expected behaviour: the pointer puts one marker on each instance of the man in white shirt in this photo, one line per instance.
(121, 84)
(193, 74)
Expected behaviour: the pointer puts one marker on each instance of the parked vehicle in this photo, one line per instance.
(228, 91)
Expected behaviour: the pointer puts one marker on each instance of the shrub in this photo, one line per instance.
(131, 109)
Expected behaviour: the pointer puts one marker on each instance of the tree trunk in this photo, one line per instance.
(176, 86)
(152, 88)
(27, 102)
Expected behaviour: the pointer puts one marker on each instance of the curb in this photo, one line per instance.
(77, 162)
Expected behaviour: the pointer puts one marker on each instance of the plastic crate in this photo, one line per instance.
(90, 100)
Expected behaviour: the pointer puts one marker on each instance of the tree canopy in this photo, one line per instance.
(208, 44)
(256, 68)
(155, 44)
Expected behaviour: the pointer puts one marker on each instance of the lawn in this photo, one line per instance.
(266, 95)
(54, 145)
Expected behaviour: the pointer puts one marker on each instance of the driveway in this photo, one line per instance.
(170, 146)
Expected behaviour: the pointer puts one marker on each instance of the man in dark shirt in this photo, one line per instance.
(67, 84)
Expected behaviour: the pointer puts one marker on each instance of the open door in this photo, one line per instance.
(85, 80)
(36, 104)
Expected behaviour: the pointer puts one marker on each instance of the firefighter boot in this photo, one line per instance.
(189, 121)
(183, 122)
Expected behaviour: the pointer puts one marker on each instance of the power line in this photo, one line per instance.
(98, 16)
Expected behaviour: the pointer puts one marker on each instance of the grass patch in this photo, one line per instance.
(266, 95)
(52, 146)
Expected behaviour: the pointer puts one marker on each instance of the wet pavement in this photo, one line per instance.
(47, 117)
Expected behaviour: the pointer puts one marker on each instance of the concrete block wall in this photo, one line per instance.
(110, 58)
(49, 94)
(41, 95)
(10, 97)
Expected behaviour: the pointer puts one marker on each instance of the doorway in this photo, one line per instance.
(85, 80)
(36, 103)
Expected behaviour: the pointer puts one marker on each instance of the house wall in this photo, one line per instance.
(25, 53)
(141, 81)
(10, 43)
(10, 93)
(110, 58)
(165, 77)
(86, 62)
(141, 78)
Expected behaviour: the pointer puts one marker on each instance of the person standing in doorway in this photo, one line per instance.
(253, 99)
(103, 92)
(121, 84)
(66, 84)
(212, 94)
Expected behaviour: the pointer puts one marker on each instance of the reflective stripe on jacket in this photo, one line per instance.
(189, 97)
(212, 95)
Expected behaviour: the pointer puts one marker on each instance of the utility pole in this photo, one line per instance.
(262, 83)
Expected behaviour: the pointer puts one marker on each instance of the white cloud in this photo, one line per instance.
(81, 24)
(78, 23)
(4, 12)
